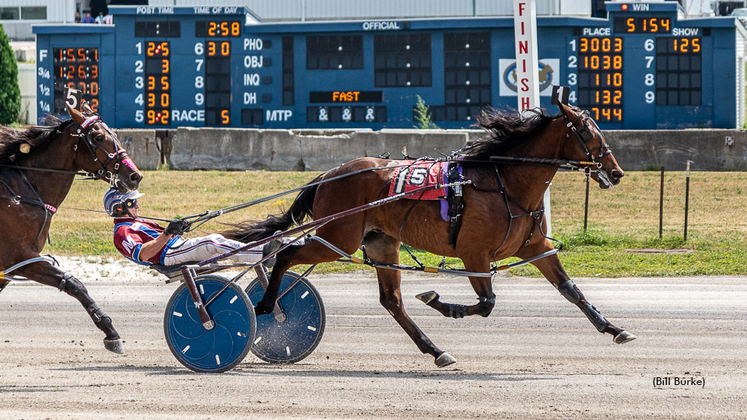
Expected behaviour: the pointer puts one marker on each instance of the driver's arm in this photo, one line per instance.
(149, 249)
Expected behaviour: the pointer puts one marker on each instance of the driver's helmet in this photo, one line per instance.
(113, 197)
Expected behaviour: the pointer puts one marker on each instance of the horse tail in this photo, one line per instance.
(301, 208)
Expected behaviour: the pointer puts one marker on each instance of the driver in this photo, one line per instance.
(146, 242)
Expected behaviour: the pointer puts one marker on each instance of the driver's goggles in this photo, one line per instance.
(131, 203)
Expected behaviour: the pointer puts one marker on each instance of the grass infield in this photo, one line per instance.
(622, 236)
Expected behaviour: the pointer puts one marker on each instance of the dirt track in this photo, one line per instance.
(536, 356)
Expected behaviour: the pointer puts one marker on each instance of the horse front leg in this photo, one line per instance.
(553, 270)
(483, 286)
(45, 273)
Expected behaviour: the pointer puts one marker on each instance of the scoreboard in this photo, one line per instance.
(644, 67)
(647, 68)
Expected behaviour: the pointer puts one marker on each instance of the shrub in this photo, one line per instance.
(422, 116)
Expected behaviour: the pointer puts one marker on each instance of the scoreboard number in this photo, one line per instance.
(217, 28)
(157, 78)
(643, 25)
(216, 82)
(76, 69)
(600, 77)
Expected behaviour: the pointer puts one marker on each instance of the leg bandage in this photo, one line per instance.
(568, 289)
(70, 285)
(97, 314)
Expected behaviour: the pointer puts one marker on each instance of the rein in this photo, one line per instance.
(202, 218)
(560, 164)
(88, 175)
(563, 164)
(197, 220)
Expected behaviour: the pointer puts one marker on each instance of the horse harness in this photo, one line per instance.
(17, 199)
(583, 134)
(120, 154)
(82, 132)
(453, 207)
(454, 200)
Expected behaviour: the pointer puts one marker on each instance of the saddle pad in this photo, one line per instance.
(411, 175)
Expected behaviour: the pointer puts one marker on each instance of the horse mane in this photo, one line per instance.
(507, 129)
(38, 135)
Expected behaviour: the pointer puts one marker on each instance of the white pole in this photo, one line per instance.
(527, 68)
(527, 75)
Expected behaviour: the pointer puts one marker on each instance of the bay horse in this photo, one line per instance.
(37, 168)
(502, 216)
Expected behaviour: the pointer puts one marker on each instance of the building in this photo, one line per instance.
(17, 16)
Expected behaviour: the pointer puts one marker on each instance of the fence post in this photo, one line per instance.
(661, 204)
(687, 197)
(586, 204)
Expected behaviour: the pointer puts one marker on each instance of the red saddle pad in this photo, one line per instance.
(412, 174)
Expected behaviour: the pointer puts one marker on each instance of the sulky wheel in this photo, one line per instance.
(218, 349)
(294, 334)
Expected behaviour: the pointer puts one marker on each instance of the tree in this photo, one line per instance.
(10, 93)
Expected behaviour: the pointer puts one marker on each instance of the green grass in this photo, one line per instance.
(626, 217)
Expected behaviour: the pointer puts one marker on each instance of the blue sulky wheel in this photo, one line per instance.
(221, 348)
(295, 333)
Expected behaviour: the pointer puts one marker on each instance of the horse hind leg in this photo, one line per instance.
(51, 276)
(384, 248)
(311, 252)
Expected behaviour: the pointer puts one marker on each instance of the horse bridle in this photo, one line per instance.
(120, 155)
(584, 134)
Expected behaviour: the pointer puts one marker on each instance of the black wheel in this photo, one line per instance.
(218, 349)
(294, 334)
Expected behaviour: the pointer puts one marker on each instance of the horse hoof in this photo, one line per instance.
(114, 346)
(427, 298)
(624, 337)
(444, 360)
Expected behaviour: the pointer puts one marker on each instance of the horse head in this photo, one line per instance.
(589, 145)
(103, 154)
